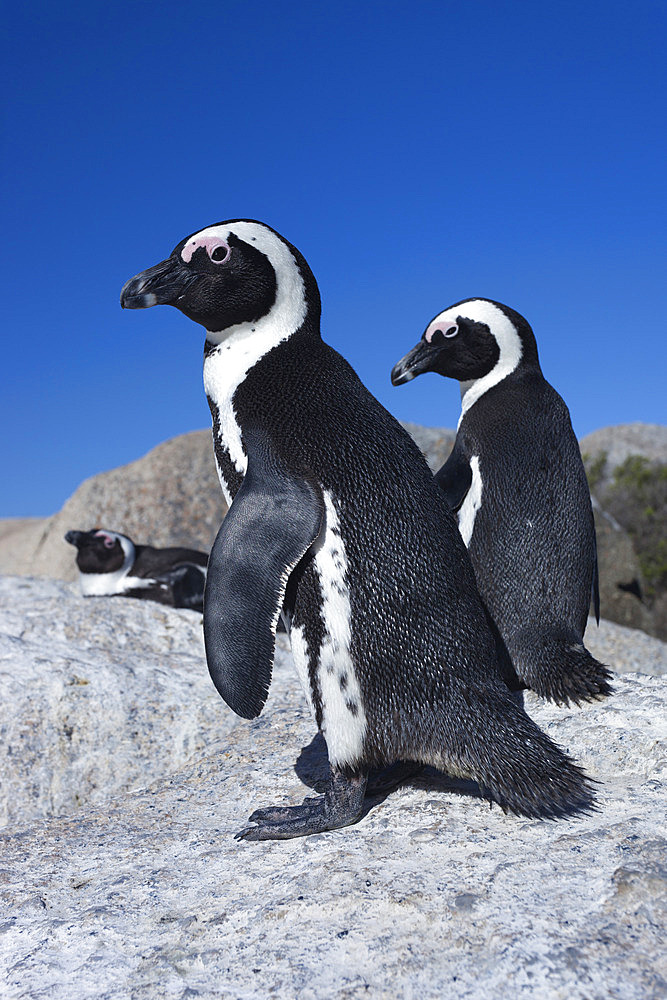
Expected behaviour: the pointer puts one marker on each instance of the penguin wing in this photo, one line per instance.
(186, 584)
(455, 477)
(273, 521)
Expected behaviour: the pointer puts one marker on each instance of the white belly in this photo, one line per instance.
(343, 715)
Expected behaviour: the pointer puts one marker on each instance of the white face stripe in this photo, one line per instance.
(471, 503)
(240, 347)
(506, 336)
(343, 726)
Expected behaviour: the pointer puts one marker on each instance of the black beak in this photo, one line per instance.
(415, 362)
(162, 284)
(74, 537)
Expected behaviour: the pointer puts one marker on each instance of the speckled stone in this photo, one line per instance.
(146, 895)
(622, 440)
(97, 695)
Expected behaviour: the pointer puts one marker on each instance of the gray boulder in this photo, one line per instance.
(622, 583)
(627, 472)
(137, 889)
(19, 540)
(435, 443)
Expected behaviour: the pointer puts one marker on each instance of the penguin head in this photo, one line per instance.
(229, 277)
(469, 341)
(101, 551)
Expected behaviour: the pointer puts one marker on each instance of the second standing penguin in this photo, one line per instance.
(517, 480)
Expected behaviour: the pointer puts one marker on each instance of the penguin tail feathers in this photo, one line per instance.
(517, 766)
(555, 664)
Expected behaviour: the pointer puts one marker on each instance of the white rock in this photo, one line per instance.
(97, 695)
(431, 894)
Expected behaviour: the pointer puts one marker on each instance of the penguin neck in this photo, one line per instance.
(230, 355)
(473, 389)
(228, 362)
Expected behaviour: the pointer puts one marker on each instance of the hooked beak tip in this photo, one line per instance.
(400, 376)
(132, 297)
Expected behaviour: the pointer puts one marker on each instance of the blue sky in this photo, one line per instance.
(416, 153)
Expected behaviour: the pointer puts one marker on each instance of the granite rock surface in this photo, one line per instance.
(622, 583)
(141, 892)
(98, 696)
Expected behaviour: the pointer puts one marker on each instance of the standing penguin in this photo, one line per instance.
(336, 521)
(516, 478)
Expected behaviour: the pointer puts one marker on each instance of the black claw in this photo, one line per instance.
(247, 833)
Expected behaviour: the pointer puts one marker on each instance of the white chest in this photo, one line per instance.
(108, 584)
(343, 715)
(472, 502)
(224, 370)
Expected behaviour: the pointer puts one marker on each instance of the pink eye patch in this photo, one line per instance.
(447, 328)
(211, 244)
(109, 542)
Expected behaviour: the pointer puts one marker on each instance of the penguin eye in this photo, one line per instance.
(451, 331)
(107, 540)
(220, 254)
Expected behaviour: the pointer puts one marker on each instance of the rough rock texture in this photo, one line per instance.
(98, 695)
(623, 440)
(104, 694)
(146, 894)
(627, 471)
(434, 442)
(19, 539)
(626, 650)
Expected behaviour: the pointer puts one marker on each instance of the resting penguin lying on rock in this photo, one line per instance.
(337, 520)
(516, 477)
(111, 564)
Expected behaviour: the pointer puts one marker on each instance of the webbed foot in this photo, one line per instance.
(341, 805)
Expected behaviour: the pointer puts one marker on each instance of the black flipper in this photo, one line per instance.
(273, 521)
(455, 477)
(187, 586)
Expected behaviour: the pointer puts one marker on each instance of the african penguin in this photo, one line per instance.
(336, 520)
(111, 564)
(517, 480)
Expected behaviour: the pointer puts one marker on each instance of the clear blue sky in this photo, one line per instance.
(417, 153)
